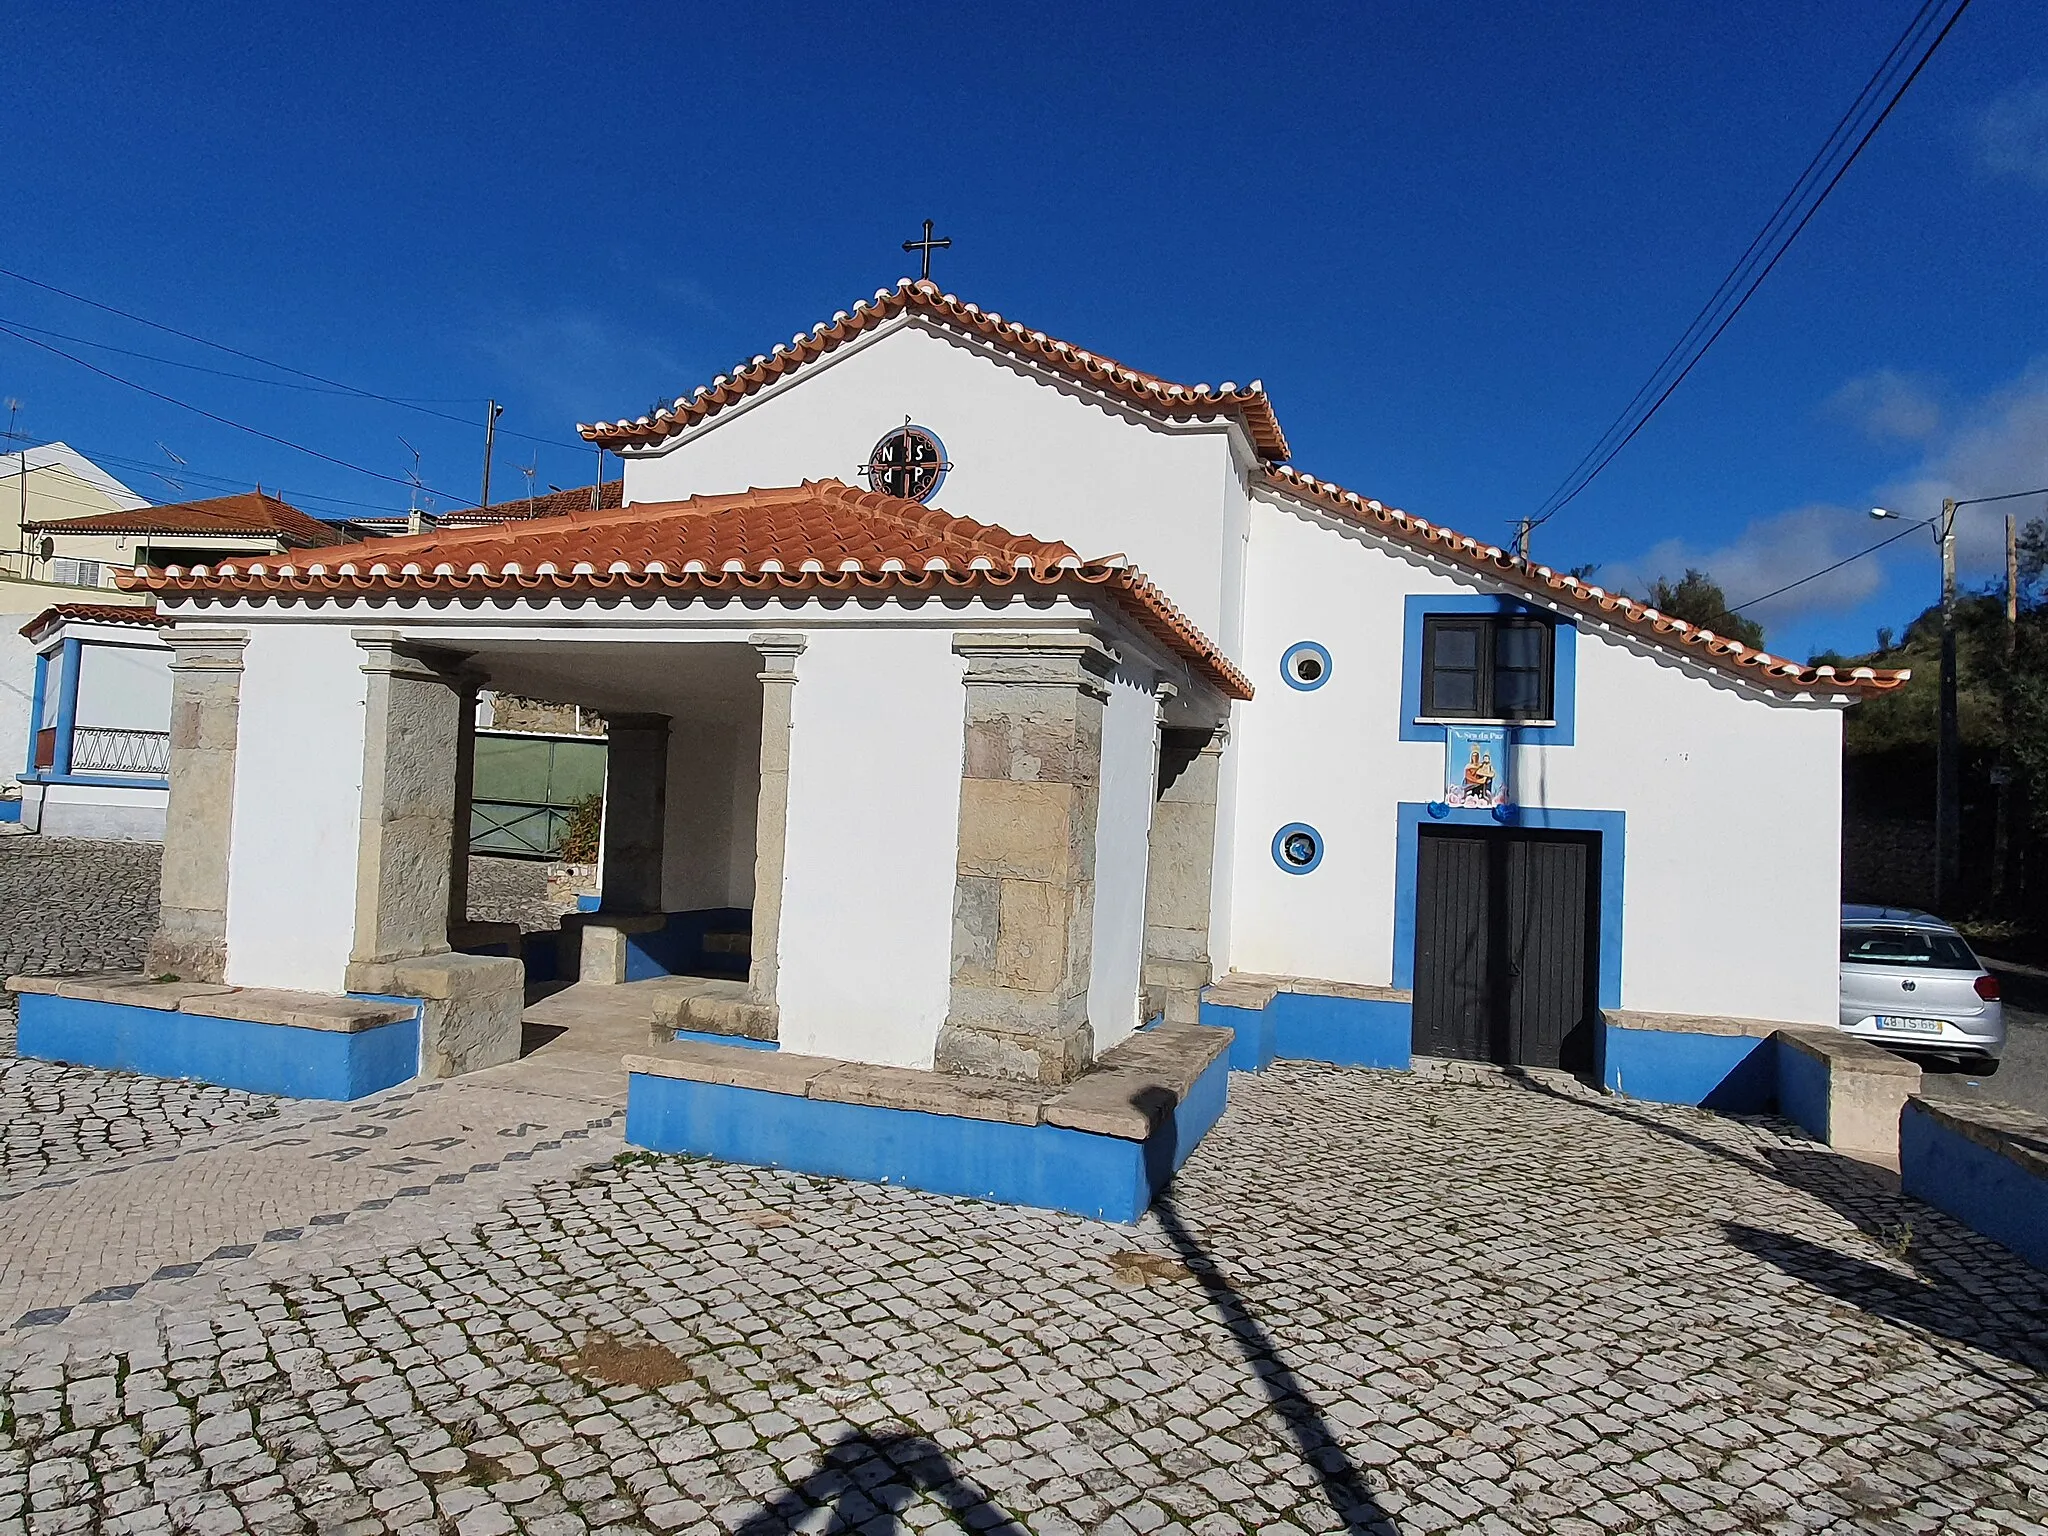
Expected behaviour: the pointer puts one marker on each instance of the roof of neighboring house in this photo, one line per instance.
(65, 460)
(1618, 609)
(1248, 403)
(611, 494)
(821, 535)
(92, 613)
(249, 512)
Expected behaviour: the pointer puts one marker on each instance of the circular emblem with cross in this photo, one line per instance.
(910, 462)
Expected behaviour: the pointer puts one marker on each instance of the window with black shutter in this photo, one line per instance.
(1485, 667)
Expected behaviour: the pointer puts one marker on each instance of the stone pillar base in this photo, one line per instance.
(1030, 1058)
(472, 1006)
(1175, 987)
(190, 956)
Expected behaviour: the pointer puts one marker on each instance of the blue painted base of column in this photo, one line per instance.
(1995, 1195)
(281, 1059)
(1045, 1166)
(1736, 1074)
(1306, 1026)
(739, 1042)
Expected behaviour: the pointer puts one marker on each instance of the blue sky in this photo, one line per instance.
(1450, 239)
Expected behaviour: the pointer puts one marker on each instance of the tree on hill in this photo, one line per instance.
(1698, 599)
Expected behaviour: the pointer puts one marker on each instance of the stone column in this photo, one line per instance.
(206, 706)
(1183, 856)
(469, 685)
(411, 725)
(635, 811)
(412, 729)
(771, 818)
(1024, 892)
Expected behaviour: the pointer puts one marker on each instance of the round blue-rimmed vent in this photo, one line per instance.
(1305, 666)
(1297, 848)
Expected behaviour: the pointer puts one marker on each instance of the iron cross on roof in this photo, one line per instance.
(925, 247)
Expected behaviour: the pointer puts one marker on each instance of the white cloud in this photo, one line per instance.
(1766, 555)
(2000, 445)
(1889, 406)
(2012, 135)
(1996, 444)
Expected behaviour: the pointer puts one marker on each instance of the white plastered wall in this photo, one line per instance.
(874, 811)
(1028, 454)
(1123, 829)
(1732, 799)
(714, 783)
(298, 807)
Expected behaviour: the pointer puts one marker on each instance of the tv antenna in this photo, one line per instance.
(529, 470)
(412, 479)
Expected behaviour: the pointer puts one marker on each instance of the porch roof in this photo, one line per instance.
(92, 613)
(821, 535)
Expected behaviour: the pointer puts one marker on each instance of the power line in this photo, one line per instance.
(1827, 570)
(271, 437)
(219, 373)
(220, 346)
(1747, 275)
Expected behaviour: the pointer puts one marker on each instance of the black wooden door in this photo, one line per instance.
(1506, 946)
(1454, 1012)
(1550, 930)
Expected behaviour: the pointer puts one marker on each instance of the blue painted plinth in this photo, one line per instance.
(1803, 1089)
(1047, 1166)
(1731, 1073)
(279, 1059)
(1307, 1026)
(1973, 1183)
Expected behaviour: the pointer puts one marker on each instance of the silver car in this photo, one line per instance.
(1910, 982)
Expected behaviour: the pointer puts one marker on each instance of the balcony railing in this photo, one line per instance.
(104, 749)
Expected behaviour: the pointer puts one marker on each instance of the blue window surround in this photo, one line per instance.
(59, 771)
(35, 711)
(1280, 839)
(1564, 665)
(1612, 827)
(67, 708)
(1304, 648)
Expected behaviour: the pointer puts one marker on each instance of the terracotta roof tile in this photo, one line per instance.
(249, 512)
(1618, 609)
(92, 613)
(1248, 403)
(819, 535)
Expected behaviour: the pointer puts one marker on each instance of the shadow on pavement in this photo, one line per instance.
(1343, 1485)
(1924, 1304)
(867, 1477)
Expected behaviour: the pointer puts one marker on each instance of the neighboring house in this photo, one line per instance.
(46, 485)
(553, 504)
(98, 756)
(1143, 705)
(186, 534)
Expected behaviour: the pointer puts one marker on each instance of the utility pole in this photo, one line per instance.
(490, 441)
(1948, 799)
(597, 488)
(1522, 540)
(2001, 852)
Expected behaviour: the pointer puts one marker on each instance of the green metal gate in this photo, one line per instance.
(525, 788)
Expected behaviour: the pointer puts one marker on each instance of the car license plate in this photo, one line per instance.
(1896, 1025)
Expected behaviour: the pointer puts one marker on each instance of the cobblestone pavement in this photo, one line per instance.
(67, 904)
(1374, 1302)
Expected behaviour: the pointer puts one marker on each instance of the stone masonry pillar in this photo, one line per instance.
(469, 685)
(635, 808)
(470, 1005)
(1183, 855)
(1024, 891)
(411, 726)
(771, 818)
(206, 706)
